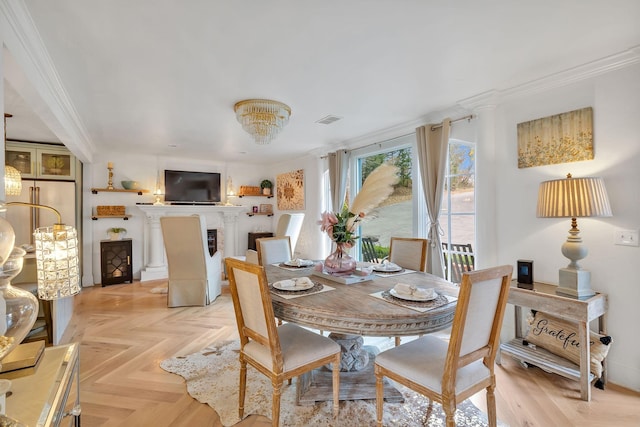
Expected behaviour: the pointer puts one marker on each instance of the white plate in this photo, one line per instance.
(300, 287)
(381, 269)
(294, 264)
(411, 297)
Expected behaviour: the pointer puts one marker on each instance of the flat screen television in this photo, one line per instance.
(191, 187)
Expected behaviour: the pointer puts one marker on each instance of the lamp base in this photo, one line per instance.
(575, 283)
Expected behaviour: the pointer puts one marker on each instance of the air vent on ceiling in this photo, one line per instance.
(328, 119)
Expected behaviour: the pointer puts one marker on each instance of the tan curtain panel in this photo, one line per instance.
(338, 171)
(432, 158)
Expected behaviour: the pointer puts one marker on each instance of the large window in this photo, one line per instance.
(396, 215)
(457, 215)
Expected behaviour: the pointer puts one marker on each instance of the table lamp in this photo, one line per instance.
(573, 198)
(57, 264)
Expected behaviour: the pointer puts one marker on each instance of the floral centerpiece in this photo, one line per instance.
(341, 226)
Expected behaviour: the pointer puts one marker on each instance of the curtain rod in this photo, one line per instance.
(434, 127)
(439, 125)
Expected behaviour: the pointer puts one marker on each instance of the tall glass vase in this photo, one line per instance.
(18, 307)
(340, 262)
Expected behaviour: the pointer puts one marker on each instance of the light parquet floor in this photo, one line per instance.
(125, 331)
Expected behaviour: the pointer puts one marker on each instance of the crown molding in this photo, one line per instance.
(31, 58)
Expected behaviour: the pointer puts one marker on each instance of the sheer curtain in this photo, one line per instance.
(433, 141)
(338, 168)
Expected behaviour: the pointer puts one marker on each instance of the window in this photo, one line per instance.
(457, 214)
(396, 216)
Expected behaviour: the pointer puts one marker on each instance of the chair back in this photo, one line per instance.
(369, 251)
(290, 225)
(192, 270)
(462, 260)
(409, 252)
(252, 305)
(475, 332)
(273, 250)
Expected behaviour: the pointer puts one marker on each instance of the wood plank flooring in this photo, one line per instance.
(125, 332)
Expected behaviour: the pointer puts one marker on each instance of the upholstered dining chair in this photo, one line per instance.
(194, 275)
(290, 225)
(273, 249)
(409, 252)
(279, 352)
(452, 372)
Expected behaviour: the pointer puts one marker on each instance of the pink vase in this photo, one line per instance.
(340, 262)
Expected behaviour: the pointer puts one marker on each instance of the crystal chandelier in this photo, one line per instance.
(263, 119)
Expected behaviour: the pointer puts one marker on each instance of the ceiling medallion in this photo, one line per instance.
(263, 119)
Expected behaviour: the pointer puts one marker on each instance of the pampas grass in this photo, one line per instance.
(375, 189)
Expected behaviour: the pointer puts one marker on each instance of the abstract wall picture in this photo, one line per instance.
(290, 190)
(563, 138)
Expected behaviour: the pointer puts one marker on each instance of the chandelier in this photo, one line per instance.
(12, 176)
(263, 119)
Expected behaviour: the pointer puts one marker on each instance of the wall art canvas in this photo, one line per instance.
(290, 190)
(563, 138)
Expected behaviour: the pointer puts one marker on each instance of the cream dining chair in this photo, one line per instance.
(452, 372)
(194, 275)
(290, 225)
(279, 352)
(409, 252)
(272, 250)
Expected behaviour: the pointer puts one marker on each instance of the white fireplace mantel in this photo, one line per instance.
(219, 217)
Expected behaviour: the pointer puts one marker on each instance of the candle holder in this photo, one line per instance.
(110, 183)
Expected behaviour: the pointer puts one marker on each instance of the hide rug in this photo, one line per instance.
(212, 377)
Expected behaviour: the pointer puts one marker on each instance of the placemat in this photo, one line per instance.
(317, 288)
(292, 267)
(420, 306)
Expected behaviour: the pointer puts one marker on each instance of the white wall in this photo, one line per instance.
(615, 98)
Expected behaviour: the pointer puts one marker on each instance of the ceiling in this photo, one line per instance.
(162, 76)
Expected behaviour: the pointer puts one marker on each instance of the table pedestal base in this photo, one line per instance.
(317, 385)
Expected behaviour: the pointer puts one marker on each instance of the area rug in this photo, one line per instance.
(212, 378)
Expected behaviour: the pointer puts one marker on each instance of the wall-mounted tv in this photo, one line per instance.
(191, 187)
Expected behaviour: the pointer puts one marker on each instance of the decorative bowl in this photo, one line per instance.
(130, 185)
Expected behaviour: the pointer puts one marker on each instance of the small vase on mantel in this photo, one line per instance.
(340, 263)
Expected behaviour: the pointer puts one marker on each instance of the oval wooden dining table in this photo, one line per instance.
(352, 310)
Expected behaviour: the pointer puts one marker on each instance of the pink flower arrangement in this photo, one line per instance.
(339, 228)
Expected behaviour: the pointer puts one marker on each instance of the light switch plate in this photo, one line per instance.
(625, 237)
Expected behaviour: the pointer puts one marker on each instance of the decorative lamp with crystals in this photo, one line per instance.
(263, 119)
(56, 251)
(573, 198)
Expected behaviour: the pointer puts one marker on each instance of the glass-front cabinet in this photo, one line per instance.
(41, 161)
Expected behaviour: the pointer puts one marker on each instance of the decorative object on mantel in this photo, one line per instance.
(116, 233)
(263, 119)
(266, 187)
(211, 377)
(573, 198)
(566, 137)
(341, 226)
(12, 176)
(290, 190)
(130, 185)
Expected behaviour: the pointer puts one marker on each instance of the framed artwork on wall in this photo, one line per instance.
(562, 138)
(290, 190)
(266, 208)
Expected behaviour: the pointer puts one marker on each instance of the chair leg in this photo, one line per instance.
(449, 408)
(336, 386)
(397, 341)
(243, 387)
(275, 404)
(379, 396)
(491, 406)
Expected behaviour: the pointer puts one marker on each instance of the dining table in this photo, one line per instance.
(368, 308)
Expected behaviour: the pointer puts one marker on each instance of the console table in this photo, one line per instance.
(48, 393)
(542, 297)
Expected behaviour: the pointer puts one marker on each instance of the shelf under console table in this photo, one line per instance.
(542, 297)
